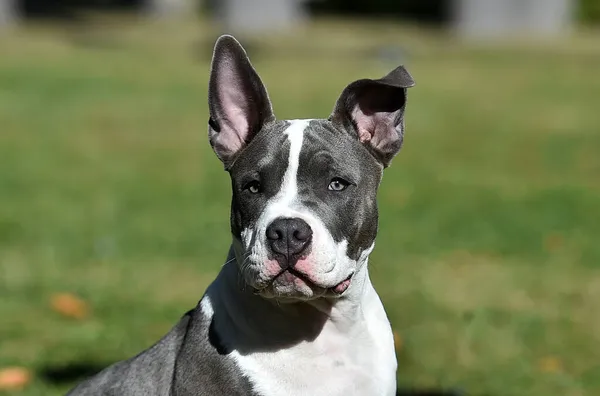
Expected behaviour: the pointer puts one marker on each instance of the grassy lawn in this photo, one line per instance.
(488, 257)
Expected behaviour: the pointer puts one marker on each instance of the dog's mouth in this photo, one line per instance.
(336, 290)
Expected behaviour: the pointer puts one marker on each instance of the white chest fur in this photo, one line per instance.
(355, 359)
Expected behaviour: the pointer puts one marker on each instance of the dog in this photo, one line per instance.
(293, 310)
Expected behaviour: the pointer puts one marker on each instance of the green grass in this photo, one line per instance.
(487, 260)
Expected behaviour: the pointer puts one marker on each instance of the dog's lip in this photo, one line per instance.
(300, 275)
(341, 287)
(283, 271)
(337, 289)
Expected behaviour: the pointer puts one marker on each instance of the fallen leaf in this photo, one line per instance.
(550, 364)
(70, 305)
(553, 242)
(12, 378)
(397, 341)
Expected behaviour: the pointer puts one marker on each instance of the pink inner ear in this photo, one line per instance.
(376, 128)
(235, 112)
(364, 123)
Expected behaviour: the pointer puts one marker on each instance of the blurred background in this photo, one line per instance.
(114, 210)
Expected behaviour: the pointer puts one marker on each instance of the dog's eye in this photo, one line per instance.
(253, 187)
(338, 184)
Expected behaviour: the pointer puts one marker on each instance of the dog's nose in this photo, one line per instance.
(288, 237)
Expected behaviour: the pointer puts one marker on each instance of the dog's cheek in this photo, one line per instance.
(243, 213)
(365, 232)
(236, 220)
(359, 221)
(246, 237)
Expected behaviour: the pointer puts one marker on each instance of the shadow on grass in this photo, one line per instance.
(430, 392)
(71, 372)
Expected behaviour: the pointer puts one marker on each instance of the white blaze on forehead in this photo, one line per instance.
(289, 187)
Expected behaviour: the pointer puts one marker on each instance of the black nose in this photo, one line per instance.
(288, 238)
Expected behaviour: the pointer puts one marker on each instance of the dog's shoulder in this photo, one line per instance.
(148, 373)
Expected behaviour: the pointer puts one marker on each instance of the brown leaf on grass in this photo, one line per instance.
(553, 242)
(397, 341)
(13, 378)
(550, 364)
(70, 305)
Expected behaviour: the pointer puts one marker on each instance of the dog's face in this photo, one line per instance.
(303, 213)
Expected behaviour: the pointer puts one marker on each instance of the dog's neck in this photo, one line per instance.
(249, 323)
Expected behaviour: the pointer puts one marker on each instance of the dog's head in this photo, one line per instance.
(304, 211)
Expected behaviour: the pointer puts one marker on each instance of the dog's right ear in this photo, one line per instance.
(374, 111)
(237, 99)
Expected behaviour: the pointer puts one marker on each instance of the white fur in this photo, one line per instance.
(353, 355)
(206, 306)
(354, 361)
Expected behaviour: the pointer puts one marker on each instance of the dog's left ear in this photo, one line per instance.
(374, 110)
(237, 99)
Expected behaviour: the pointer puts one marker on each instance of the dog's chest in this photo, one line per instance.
(361, 362)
